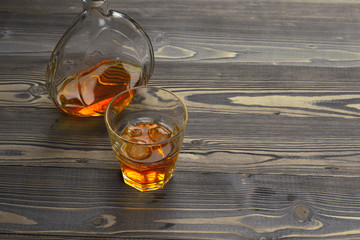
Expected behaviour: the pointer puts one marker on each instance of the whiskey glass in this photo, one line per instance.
(103, 53)
(146, 127)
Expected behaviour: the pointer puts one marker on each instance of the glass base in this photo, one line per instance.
(144, 187)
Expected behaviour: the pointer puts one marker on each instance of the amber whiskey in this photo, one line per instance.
(89, 93)
(147, 160)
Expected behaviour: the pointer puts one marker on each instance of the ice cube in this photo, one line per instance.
(137, 150)
(131, 132)
(135, 131)
(159, 133)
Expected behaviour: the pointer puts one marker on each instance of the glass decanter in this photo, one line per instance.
(103, 53)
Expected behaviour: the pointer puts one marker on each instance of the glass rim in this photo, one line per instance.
(181, 130)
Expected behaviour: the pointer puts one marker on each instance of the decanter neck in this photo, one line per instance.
(100, 5)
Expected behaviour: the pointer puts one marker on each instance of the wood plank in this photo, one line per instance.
(94, 202)
(326, 34)
(324, 89)
(258, 114)
(245, 143)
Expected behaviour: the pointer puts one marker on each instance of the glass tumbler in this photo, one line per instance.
(146, 128)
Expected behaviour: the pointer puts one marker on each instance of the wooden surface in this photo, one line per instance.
(272, 147)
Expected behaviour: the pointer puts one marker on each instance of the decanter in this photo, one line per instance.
(103, 53)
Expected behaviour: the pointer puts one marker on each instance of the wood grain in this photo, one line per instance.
(198, 205)
(271, 149)
(292, 116)
(265, 144)
(294, 129)
(257, 32)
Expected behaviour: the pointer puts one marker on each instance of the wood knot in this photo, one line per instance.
(159, 38)
(302, 213)
(38, 90)
(5, 34)
(97, 222)
(103, 221)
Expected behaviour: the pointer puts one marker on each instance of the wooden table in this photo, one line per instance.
(272, 147)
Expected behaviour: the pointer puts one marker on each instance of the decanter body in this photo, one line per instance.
(102, 54)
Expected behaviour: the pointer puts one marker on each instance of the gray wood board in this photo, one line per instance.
(272, 146)
(194, 205)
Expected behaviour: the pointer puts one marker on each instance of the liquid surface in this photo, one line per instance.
(144, 166)
(89, 93)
